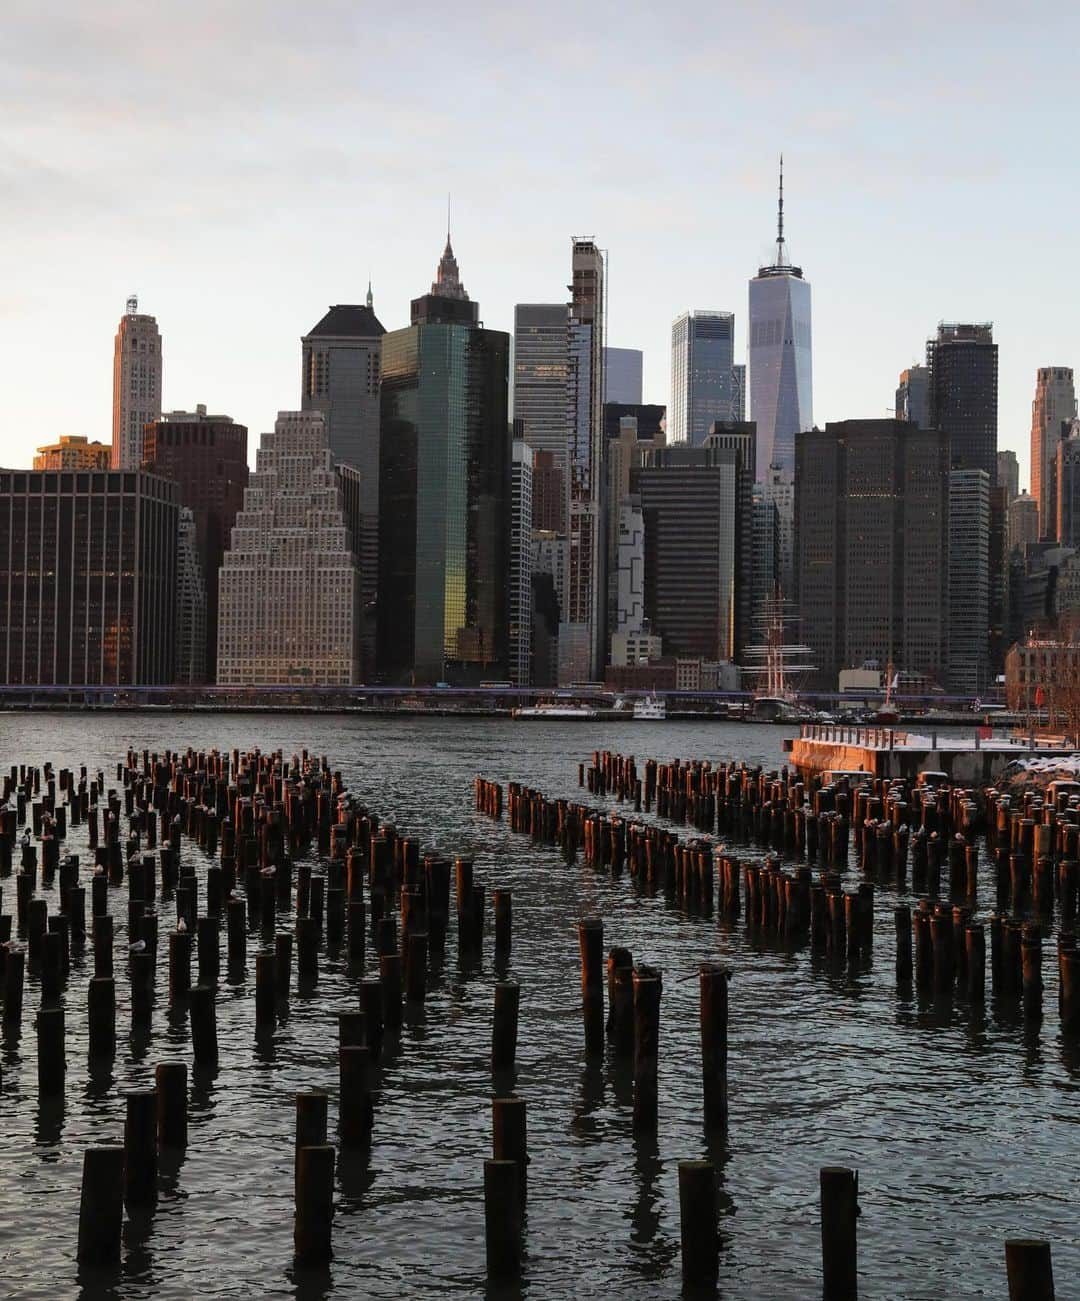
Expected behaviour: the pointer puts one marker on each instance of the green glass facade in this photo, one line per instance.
(444, 492)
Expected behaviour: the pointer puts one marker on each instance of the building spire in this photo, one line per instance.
(448, 220)
(781, 252)
(370, 296)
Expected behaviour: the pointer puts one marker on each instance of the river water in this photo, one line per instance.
(964, 1127)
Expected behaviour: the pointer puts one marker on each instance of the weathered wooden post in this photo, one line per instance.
(591, 943)
(839, 1211)
(714, 977)
(698, 1223)
(1029, 1269)
(502, 1219)
(101, 1206)
(314, 1205)
(647, 988)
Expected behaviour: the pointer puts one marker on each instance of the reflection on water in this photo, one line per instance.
(958, 1118)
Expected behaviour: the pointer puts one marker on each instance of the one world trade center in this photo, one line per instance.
(780, 357)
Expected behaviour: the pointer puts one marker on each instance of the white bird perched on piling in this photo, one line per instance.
(181, 925)
(138, 947)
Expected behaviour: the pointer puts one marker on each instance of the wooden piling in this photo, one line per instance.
(502, 1219)
(204, 1026)
(101, 1017)
(839, 1211)
(505, 1026)
(140, 1149)
(50, 1051)
(713, 979)
(591, 944)
(355, 1110)
(647, 989)
(698, 1223)
(1029, 1269)
(314, 1205)
(101, 1206)
(170, 1081)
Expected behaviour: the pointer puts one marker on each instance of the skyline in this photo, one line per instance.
(239, 205)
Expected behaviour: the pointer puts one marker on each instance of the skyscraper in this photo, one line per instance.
(963, 365)
(541, 368)
(444, 492)
(626, 450)
(207, 456)
(520, 586)
(88, 565)
(780, 490)
(1067, 481)
(622, 370)
(287, 589)
(136, 384)
(913, 396)
(340, 362)
(582, 631)
(969, 580)
(190, 604)
(738, 391)
(702, 374)
(780, 356)
(1023, 521)
(1008, 473)
(1054, 406)
(697, 507)
(872, 546)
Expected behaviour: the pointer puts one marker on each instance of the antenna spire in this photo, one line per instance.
(448, 219)
(780, 207)
(370, 296)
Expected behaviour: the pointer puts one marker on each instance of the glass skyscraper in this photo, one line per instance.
(781, 373)
(444, 493)
(703, 381)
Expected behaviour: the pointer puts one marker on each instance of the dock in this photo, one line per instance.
(890, 752)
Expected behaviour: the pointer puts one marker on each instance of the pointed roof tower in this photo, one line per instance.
(781, 265)
(447, 303)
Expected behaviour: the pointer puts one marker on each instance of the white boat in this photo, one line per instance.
(553, 709)
(651, 709)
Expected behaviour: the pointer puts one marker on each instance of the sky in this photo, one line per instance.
(242, 165)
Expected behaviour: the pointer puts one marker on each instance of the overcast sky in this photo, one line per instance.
(243, 165)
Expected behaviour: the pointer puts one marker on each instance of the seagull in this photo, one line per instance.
(268, 871)
(99, 870)
(181, 925)
(138, 947)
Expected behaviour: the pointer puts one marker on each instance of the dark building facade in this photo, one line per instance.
(872, 546)
(963, 394)
(444, 499)
(697, 506)
(341, 364)
(207, 457)
(651, 418)
(1067, 484)
(88, 565)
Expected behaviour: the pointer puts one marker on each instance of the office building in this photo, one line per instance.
(622, 369)
(738, 392)
(872, 546)
(765, 567)
(1053, 409)
(969, 581)
(697, 506)
(190, 604)
(340, 367)
(73, 452)
(541, 369)
(519, 647)
(780, 356)
(963, 365)
(1067, 483)
(288, 591)
(88, 563)
(136, 385)
(625, 452)
(1008, 473)
(779, 489)
(582, 633)
(913, 396)
(207, 456)
(1023, 521)
(630, 570)
(651, 420)
(702, 374)
(549, 492)
(444, 493)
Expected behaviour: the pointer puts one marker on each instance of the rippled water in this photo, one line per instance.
(964, 1129)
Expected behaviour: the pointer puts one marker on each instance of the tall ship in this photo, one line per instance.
(777, 664)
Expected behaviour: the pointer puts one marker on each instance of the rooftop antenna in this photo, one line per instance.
(448, 219)
(780, 256)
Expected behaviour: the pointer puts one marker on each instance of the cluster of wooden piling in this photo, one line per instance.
(255, 816)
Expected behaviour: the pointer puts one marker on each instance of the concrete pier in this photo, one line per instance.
(890, 752)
